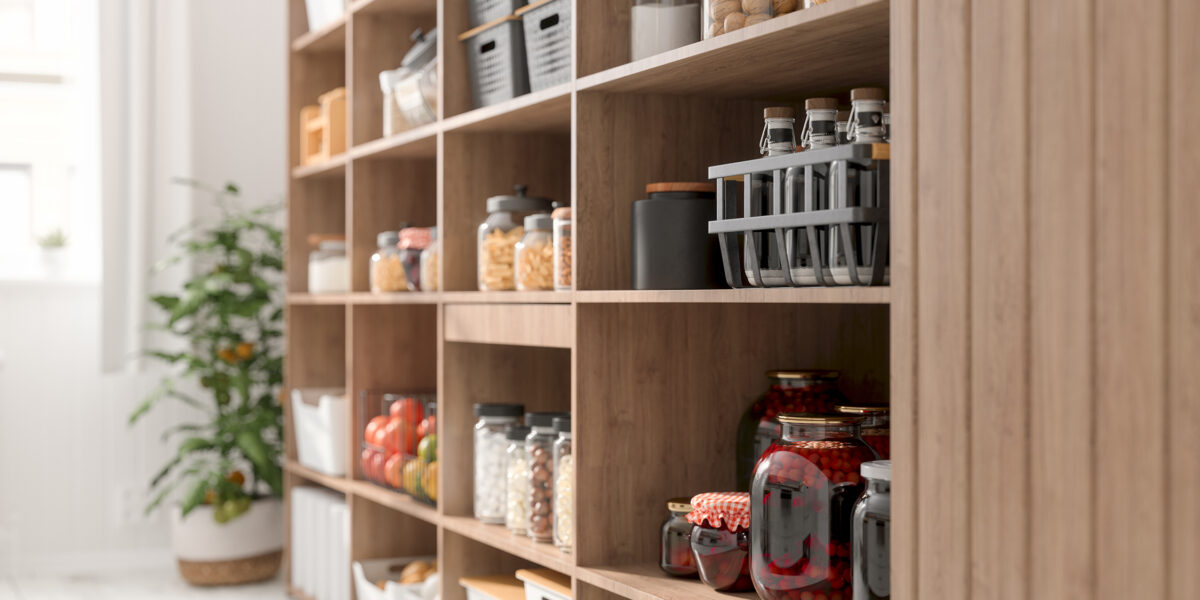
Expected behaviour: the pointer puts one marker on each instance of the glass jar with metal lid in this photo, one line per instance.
(413, 240)
(539, 446)
(562, 248)
(499, 234)
(564, 486)
(534, 254)
(676, 549)
(876, 426)
(516, 489)
(429, 263)
(387, 270)
(801, 506)
(490, 447)
(328, 269)
(873, 533)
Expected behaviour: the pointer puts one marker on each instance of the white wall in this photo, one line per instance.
(72, 474)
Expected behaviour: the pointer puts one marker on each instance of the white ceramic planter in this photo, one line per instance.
(241, 550)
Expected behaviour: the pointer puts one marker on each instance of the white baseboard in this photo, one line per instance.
(86, 563)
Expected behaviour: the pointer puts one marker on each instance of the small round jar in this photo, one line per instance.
(539, 446)
(328, 269)
(867, 106)
(516, 489)
(656, 26)
(802, 501)
(490, 447)
(562, 248)
(498, 236)
(564, 486)
(429, 263)
(534, 254)
(873, 532)
(413, 241)
(790, 391)
(721, 540)
(676, 549)
(387, 272)
(876, 426)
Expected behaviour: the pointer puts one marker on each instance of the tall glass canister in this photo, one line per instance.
(490, 447)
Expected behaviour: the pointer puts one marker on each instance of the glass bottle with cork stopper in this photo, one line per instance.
(820, 124)
(866, 115)
(778, 135)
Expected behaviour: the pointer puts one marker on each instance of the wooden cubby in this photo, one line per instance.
(653, 378)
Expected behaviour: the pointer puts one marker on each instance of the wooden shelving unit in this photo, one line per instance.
(653, 378)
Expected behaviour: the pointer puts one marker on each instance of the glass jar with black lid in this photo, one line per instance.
(490, 446)
(539, 446)
(516, 488)
(499, 234)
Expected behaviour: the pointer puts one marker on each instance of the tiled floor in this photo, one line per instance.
(133, 585)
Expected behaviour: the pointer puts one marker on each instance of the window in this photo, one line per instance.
(16, 198)
(16, 24)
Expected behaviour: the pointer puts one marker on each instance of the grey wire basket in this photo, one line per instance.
(814, 218)
(496, 59)
(486, 11)
(547, 42)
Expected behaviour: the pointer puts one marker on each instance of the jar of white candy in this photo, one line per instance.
(564, 486)
(490, 446)
(516, 465)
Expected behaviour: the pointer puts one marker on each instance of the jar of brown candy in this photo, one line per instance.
(539, 449)
(721, 539)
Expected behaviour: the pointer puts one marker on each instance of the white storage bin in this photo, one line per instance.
(545, 584)
(323, 12)
(367, 572)
(320, 549)
(319, 420)
(494, 587)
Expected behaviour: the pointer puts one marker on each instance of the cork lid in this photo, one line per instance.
(703, 187)
(779, 112)
(562, 213)
(820, 104)
(867, 93)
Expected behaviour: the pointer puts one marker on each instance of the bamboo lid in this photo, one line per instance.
(867, 93)
(703, 187)
(820, 104)
(779, 112)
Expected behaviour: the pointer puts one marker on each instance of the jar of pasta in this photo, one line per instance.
(562, 248)
(387, 271)
(534, 255)
(429, 263)
(499, 234)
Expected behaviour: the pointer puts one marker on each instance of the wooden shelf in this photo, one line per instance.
(372, 298)
(540, 325)
(541, 111)
(647, 582)
(334, 167)
(395, 500)
(403, 7)
(521, 546)
(831, 295)
(420, 142)
(305, 298)
(340, 484)
(546, 297)
(330, 38)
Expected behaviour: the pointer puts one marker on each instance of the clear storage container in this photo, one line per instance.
(413, 241)
(564, 486)
(410, 91)
(516, 489)
(429, 263)
(328, 269)
(562, 248)
(876, 426)
(723, 16)
(387, 271)
(873, 534)
(676, 549)
(721, 539)
(490, 446)
(801, 500)
(539, 446)
(656, 26)
(499, 234)
(534, 254)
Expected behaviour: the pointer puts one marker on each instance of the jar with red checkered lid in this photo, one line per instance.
(802, 506)
(720, 539)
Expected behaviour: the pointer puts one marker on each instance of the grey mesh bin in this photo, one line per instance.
(547, 42)
(486, 11)
(496, 57)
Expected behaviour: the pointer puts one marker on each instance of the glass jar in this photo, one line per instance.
(820, 124)
(867, 106)
(539, 446)
(876, 426)
(562, 248)
(387, 272)
(328, 269)
(413, 241)
(720, 539)
(534, 255)
(809, 391)
(429, 263)
(802, 502)
(499, 234)
(564, 486)
(516, 467)
(723, 16)
(779, 131)
(676, 550)
(656, 26)
(490, 450)
(873, 534)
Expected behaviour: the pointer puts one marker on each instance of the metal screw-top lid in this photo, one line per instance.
(867, 93)
(544, 419)
(499, 410)
(818, 419)
(538, 221)
(518, 202)
(879, 470)
(562, 424)
(779, 112)
(424, 49)
(516, 433)
(388, 239)
(820, 104)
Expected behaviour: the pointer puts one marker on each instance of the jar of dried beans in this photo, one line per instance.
(490, 446)
(721, 539)
(564, 486)
(499, 234)
(562, 248)
(808, 391)
(802, 502)
(534, 255)
(876, 426)
(539, 446)
(516, 488)
(676, 549)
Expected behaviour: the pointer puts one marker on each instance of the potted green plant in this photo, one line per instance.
(54, 247)
(227, 523)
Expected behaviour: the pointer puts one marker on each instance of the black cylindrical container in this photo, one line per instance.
(672, 249)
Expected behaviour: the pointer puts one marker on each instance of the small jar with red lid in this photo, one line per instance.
(676, 548)
(791, 391)
(876, 426)
(802, 506)
(412, 241)
(721, 540)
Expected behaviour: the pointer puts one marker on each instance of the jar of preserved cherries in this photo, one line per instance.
(876, 426)
(676, 550)
(808, 391)
(721, 539)
(873, 534)
(802, 502)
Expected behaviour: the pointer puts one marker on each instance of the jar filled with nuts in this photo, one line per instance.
(723, 16)
(387, 271)
(490, 449)
(534, 255)
(562, 248)
(564, 486)
(516, 487)
(539, 446)
(429, 263)
(413, 241)
(499, 234)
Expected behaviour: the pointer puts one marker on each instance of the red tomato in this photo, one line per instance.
(377, 464)
(428, 425)
(366, 463)
(373, 427)
(414, 412)
(391, 436)
(396, 410)
(392, 470)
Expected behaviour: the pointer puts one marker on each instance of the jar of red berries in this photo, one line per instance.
(677, 540)
(876, 426)
(802, 507)
(721, 539)
(807, 391)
